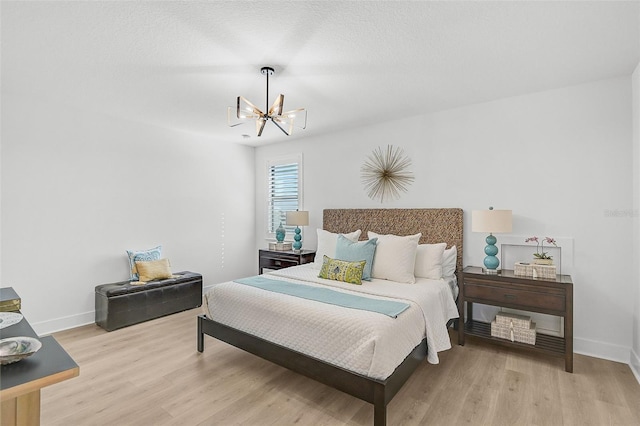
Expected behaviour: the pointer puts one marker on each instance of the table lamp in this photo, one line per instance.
(491, 221)
(297, 218)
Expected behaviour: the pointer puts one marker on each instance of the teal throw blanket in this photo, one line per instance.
(325, 295)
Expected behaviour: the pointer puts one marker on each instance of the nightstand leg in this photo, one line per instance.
(568, 333)
(460, 320)
(460, 332)
(568, 347)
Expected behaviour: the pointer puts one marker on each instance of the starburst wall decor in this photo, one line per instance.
(384, 174)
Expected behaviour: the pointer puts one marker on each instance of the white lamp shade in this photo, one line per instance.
(491, 221)
(298, 218)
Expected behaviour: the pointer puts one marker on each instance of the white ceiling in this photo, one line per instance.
(181, 64)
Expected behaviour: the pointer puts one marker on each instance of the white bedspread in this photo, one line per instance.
(364, 342)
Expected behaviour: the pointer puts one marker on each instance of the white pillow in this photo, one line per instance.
(327, 245)
(449, 261)
(429, 260)
(395, 257)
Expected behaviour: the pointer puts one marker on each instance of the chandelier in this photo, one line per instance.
(246, 111)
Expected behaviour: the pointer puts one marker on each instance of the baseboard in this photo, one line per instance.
(45, 328)
(635, 364)
(602, 350)
(65, 323)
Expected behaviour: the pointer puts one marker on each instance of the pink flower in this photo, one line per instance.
(540, 253)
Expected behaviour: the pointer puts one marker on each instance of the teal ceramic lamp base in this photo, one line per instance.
(491, 262)
(297, 218)
(297, 243)
(498, 221)
(280, 233)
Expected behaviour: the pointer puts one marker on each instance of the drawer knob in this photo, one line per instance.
(277, 262)
(510, 296)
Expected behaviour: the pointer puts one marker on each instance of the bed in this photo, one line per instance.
(361, 364)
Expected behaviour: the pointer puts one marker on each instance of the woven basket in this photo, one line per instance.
(514, 334)
(547, 272)
(515, 320)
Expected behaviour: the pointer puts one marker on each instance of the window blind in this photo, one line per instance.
(283, 193)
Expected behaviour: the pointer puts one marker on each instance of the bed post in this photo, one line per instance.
(379, 406)
(200, 335)
(379, 415)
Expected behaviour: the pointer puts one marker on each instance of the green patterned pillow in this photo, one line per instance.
(341, 270)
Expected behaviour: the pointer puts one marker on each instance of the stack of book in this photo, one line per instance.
(9, 300)
(280, 246)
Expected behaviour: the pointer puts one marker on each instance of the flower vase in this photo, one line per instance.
(537, 261)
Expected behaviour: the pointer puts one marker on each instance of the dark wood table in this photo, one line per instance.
(21, 381)
(505, 289)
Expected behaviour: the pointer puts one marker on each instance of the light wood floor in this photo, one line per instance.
(151, 374)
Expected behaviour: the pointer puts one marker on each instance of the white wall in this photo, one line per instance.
(635, 353)
(561, 160)
(79, 188)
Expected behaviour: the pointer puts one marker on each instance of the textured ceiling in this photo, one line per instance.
(181, 64)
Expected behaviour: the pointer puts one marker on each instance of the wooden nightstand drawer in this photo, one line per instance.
(518, 297)
(273, 260)
(273, 263)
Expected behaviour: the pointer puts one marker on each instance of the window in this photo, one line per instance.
(284, 190)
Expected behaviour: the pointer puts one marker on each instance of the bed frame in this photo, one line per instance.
(436, 225)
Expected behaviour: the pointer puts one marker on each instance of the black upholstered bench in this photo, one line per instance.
(122, 304)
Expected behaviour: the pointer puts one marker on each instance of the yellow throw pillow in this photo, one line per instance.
(154, 269)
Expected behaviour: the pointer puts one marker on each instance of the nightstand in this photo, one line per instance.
(271, 259)
(528, 294)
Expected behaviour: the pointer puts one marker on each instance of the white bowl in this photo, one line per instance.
(9, 318)
(13, 349)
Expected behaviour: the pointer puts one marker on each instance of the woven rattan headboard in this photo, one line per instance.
(436, 225)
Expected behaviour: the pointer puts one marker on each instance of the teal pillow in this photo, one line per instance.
(355, 251)
(340, 270)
